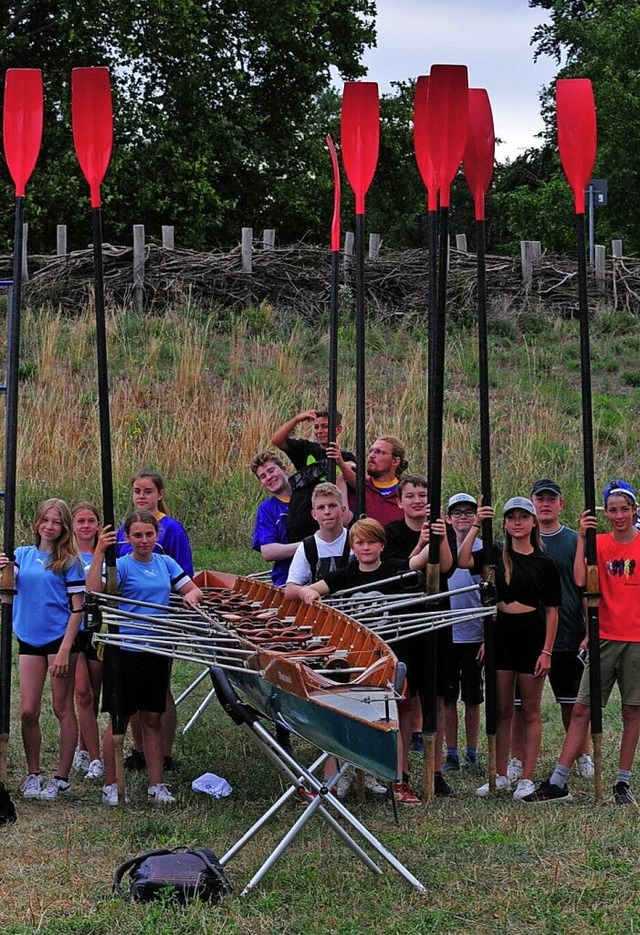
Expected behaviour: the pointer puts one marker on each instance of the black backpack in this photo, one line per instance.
(180, 874)
(320, 567)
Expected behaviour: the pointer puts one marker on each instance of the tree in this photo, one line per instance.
(217, 106)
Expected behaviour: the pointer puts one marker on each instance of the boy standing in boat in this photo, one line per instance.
(325, 550)
(270, 530)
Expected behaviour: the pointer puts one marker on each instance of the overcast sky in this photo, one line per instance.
(491, 37)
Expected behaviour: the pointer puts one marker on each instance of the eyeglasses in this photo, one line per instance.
(380, 451)
(463, 513)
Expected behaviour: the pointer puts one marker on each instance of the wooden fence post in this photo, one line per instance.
(599, 262)
(349, 241)
(247, 249)
(461, 243)
(527, 258)
(616, 252)
(138, 267)
(374, 246)
(268, 239)
(168, 232)
(61, 240)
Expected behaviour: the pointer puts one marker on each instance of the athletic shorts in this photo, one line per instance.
(467, 675)
(565, 675)
(619, 662)
(144, 680)
(85, 645)
(519, 641)
(47, 649)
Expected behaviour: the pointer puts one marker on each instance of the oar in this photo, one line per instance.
(359, 138)
(478, 168)
(22, 135)
(92, 120)
(446, 130)
(577, 142)
(425, 166)
(333, 306)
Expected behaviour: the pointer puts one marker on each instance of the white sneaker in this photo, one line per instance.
(32, 786)
(160, 794)
(341, 788)
(514, 769)
(81, 760)
(502, 785)
(524, 787)
(110, 794)
(95, 770)
(372, 784)
(53, 788)
(585, 767)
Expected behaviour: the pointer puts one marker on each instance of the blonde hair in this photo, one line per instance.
(65, 551)
(507, 548)
(326, 489)
(85, 505)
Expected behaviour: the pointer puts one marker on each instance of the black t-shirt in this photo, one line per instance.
(312, 465)
(402, 540)
(352, 577)
(535, 580)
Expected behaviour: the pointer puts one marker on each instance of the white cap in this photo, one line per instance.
(519, 503)
(461, 498)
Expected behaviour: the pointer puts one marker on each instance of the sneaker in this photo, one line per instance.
(81, 760)
(160, 794)
(417, 743)
(95, 771)
(53, 788)
(452, 762)
(372, 784)
(404, 794)
(548, 792)
(110, 794)
(135, 762)
(622, 794)
(441, 788)
(503, 784)
(585, 767)
(514, 769)
(32, 786)
(343, 785)
(525, 787)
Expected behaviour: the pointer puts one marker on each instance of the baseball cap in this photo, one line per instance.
(461, 498)
(545, 483)
(618, 486)
(519, 503)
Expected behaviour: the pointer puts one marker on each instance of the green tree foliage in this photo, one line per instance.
(219, 107)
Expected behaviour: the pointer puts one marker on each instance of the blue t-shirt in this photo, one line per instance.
(150, 581)
(471, 631)
(42, 605)
(172, 540)
(271, 526)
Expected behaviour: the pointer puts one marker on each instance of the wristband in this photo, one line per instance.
(475, 526)
(545, 652)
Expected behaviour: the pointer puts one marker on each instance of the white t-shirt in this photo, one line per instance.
(300, 570)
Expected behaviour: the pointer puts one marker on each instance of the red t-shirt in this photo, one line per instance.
(619, 579)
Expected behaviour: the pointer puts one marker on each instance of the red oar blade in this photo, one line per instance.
(421, 140)
(335, 222)
(447, 119)
(92, 119)
(577, 133)
(360, 136)
(22, 123)
(479, 151)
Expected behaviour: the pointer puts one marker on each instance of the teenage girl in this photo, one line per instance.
(148, 493)
(528, 595)
(47, 612)
(143, 575)
(88, 680)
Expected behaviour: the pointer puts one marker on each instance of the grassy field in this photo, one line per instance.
(196, 394)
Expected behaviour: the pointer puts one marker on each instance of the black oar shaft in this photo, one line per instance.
(333, 356)
(360, 369)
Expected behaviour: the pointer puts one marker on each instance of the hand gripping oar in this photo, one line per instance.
(333, 306)
(477, 162)
(359, 138)
(577, 142)
(22, 135)
(446, 132)
(92, 120)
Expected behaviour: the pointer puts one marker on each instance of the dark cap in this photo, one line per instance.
(545, 483)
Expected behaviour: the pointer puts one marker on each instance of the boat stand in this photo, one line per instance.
(316, 795)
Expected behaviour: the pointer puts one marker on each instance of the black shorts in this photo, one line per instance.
(85, 645)
(47, 649)
(467, 675)
(144, 679)
(519, 641)
(565, 675)
(413, 653)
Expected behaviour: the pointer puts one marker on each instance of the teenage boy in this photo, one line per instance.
(468, 638)
(310, 461)
(386, 463)
(566, 668)
(325, 550)
(270, 529)
(368, 539)
(618, 556)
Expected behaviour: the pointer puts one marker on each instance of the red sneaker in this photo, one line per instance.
(404, 794)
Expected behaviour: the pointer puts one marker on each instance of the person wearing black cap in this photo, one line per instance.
(618, 553)
(528, 596)
(566, 668)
